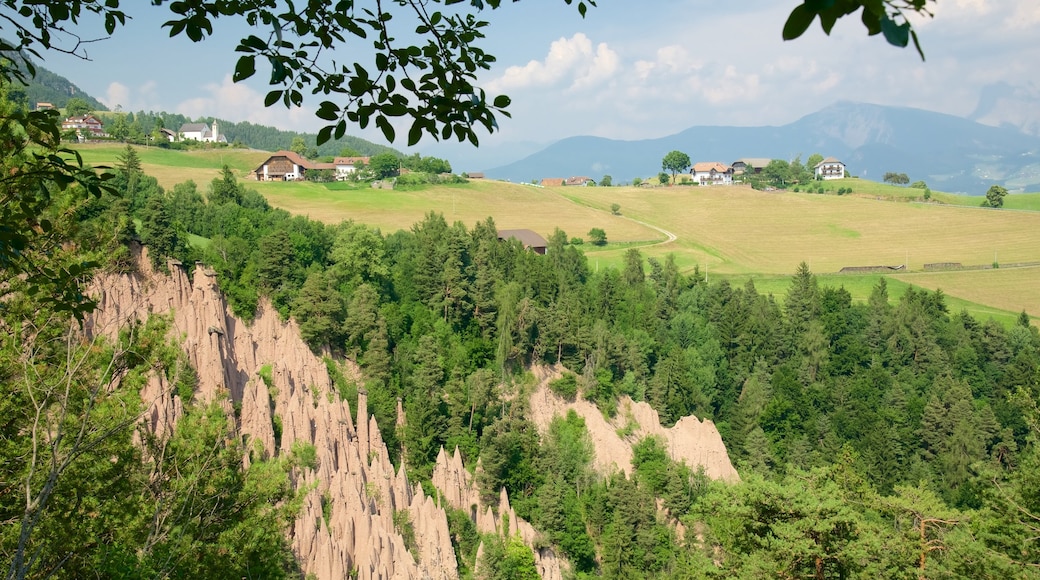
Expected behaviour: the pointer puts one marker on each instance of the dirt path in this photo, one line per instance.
(670, 237)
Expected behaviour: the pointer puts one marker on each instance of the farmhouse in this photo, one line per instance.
(86, 126)
(347, 165)
(712, 173)
(749, 164)
(579, 181)
(552, 182)
(201, 132)
(829, 168)
(285, 166)
(529, 239)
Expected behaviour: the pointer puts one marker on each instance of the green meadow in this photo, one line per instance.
(733, 232)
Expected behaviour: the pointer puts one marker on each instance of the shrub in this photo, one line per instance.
(565, 386)
(577, 241)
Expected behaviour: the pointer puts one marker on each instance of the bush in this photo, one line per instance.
(577, 241)
(565, 386)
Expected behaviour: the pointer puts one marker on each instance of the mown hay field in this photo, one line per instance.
(737, 230)
(512, 206)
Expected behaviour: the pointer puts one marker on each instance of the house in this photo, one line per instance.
(168, 133)
(529, 239)
(711, 173)
(829, 168)
(86, 126)
(579, 181)
(43, 106)
(475, 175)
(552, 182)
(344, 166)
(201, 132)
(752, 164)
(286, 166)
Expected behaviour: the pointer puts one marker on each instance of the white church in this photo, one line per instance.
(201, 132)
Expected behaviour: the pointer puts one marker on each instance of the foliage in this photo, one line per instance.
(889, 18)
(615, 208)
(565, 386)
(606, 181)
(675, 162)
(777, 172)
(506, 559)
(896, 178)
(384, 165)
(597, 236)
(995, 196)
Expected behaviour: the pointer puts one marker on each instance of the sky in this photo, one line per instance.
(628, 70)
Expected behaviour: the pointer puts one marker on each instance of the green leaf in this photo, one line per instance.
(798, 22)
(502, 101)
(414, 134)
(895, 34)
(385, 126)
(244, 69)
(324, 134)
(272, 98)
(328, 111)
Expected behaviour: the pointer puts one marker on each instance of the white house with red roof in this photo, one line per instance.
(711, 173)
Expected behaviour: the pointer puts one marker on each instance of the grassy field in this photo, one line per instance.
(737, 230)
(512, 206)
(172, 167)
(733, 232)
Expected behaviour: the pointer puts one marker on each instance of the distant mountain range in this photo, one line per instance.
(949, 153)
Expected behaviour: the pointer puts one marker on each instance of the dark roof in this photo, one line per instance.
(194, 127)
(295, 158)
(528, 238)
(756, 162)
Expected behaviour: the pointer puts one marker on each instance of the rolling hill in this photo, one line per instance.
(950, 153)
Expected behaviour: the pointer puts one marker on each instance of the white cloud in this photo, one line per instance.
(569, 59)
(143, 98)
(240, 102)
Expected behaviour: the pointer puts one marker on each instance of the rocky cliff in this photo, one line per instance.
(696, 442)
(460, 490)
(354, 477)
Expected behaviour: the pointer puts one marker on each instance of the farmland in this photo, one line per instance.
(733, 232)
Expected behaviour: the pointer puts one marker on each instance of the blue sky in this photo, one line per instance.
(628, 70)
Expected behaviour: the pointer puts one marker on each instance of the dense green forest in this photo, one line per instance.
(244, 134)
(886, 439)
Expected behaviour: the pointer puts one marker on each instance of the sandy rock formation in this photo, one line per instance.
(696, 442)
(354, 478)
(460, 490)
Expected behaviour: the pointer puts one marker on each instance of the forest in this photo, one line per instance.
(886, 439)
